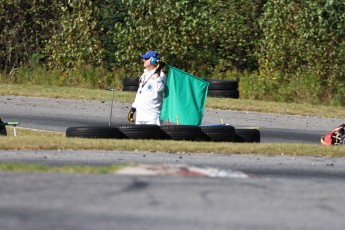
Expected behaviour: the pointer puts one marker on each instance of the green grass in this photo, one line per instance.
(27, 139)
(64, 92)
(212, 103)
(81, 169)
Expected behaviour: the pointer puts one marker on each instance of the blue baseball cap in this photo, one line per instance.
(150, 54)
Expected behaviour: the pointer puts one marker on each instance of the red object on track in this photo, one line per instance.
(336, 137)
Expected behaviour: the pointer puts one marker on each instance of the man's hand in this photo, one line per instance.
(131, 115)
(159, 67)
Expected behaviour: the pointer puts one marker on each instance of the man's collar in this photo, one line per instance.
(150, 72)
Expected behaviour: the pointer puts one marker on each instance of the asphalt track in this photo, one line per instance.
(280, 192)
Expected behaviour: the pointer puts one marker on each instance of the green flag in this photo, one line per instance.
(184, 99)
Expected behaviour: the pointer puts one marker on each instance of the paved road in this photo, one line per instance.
(281, 192)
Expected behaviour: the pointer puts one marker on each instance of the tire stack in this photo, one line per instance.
(223, 88)
(182, 132)
(217, 88)
(143, 132)
(213, 133)
(95, 132)
(130, 84)
(247, 134)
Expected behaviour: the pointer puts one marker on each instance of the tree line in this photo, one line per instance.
(276, 48)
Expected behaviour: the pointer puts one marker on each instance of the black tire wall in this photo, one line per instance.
(95, 132)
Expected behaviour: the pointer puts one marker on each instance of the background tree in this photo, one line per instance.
(236, 33)
(110, 12)
(179, 30)
(302, 47)
(76, 41)
(286, 50)
(25, 28)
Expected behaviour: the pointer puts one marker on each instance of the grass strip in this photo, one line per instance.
(41, 140)
(276, 107)
(79, 169)
(212, 103)
(64, 92)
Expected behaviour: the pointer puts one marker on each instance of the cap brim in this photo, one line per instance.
(143, 56)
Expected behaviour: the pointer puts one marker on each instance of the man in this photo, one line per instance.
(149, 98)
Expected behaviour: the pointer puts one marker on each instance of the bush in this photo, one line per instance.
(76, 42)
(236, 33)
(178, 30)
(304, 41)
(25, 28)
(279, 49)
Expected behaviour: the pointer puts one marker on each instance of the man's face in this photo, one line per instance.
(147, 62)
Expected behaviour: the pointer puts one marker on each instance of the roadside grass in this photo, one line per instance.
(64, 92)
(27, 139)
(276, 107)
(212, 103)
(80, 169)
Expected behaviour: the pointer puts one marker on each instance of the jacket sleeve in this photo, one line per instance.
(160, 82)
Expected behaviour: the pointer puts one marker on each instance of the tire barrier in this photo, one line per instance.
(143, 132)
(214, 84)
(212, 133)
(95, 132)
(3, 130)
(130, 84)
(223, 88)
(217, 88)
(223, 84)
(224, 93)
(247, 135)
(130, 88)
(182, 132)
(218, 133)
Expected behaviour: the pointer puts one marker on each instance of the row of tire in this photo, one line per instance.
(216, 133)
(216, 88)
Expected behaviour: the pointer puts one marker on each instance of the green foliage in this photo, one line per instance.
(110, 12)
(25, 28)
(86, 77)
(303, 38)
(179, 30)
(76, 42)
(199, 36)
(236, 33)
(280, 50)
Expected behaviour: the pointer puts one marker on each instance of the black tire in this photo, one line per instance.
(223, 84)
(224, 93)
(3, 131)
(218, 133)
(143, 132)
(130, 88)
(130, 81)
(95, 132)
(247, 135)
(182, 132)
